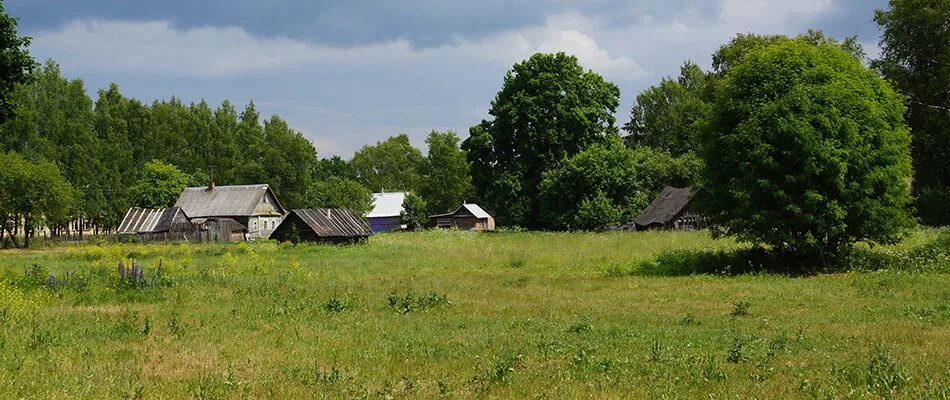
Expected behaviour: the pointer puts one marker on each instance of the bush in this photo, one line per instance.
(933, 206)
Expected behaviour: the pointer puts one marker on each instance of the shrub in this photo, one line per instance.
(410, 302)
(933, 206)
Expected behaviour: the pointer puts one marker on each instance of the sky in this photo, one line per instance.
(350, 73)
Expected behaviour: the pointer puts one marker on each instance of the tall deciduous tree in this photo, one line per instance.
(34, 192)
(445, 179)
(391, 165)
(16, 64)
(806, 151)
(549, 108)
(915, 56)
(607, 183)
(160, 185)
(288, 161)
(337, 192)
(115, 154)
(665, 116)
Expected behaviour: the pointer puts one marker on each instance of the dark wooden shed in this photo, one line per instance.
(322, 225)
(670, 210)
(155, 224)
(468, 216)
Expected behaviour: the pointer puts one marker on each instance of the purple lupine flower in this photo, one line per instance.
(121, 270)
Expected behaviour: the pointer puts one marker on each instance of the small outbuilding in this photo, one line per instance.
(217, 229)
(468, 217)
(670, 210)
(322, 225)
(386, 214)
(155, 224)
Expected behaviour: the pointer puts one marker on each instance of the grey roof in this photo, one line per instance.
(472, 208)
(224, 201)
(667, 206)
(387, 205)
(146, 220)
(332, 222)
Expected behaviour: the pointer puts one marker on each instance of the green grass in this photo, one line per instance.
(462, 315)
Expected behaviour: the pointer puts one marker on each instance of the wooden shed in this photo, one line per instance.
(468, 216)
(670, 210)
(214, 229)
(155, 224)
(386, 214)
(322, 225)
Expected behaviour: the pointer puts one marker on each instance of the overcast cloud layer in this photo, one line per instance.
(351, 74)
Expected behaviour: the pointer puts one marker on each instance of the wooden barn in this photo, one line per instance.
(322, 225)
(468, 217)
(172, 224)
(386, 214)
(253, 206)
(670, 210)
(155, 224)
(215, 229)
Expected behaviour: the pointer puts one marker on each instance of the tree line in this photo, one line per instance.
(800, 142)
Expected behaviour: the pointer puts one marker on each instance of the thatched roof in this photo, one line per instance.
(330, 222)
(666, 207)
(150, 220)
(225, 201)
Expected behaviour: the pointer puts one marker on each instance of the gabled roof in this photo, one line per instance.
(467, 208)
(146, 220)
(667, 206)
(387, 205)
(331, 222)
(224, 201)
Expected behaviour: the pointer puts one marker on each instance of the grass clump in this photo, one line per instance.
(410, 302)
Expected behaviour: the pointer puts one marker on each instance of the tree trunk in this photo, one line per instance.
(27, 227)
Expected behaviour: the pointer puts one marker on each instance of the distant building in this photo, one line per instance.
(670, 210)
(386, 214)
(172, 224)
(253, 206)
(466, 217)
(322, 225)
(155, 224)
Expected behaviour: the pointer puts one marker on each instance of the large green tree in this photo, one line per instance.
(35, 192)
(915, 56)
(445, 180)
(549, 108)
(337, 192)
(160, 185)
(115, 155)
(390, 165)
(665, 116)
(16, 64)
(288, 162)
(806, 151)
(607, 184)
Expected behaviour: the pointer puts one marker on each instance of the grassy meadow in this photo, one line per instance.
(445, 314)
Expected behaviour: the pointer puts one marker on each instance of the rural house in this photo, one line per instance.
(322, 225)
(252, 206)
(155, 224)
(386, 214)
(467, 217)
(670, 210)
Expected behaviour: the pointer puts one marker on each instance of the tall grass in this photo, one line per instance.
(461, 315)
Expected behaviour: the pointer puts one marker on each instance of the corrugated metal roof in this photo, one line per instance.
(476, 210)
(332, 222)
(387, 205)
(230, 201)
(472, 208)
(146, 220)
(666, 206)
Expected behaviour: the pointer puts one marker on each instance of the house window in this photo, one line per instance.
(444, 222)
